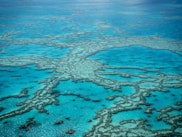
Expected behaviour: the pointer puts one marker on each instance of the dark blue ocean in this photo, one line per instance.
(90, 68)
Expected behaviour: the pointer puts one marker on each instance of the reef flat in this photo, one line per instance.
(77, 66)
(115, 85)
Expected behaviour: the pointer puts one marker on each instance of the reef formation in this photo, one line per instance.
(78, 66)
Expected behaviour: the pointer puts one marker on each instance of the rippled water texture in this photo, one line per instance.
(90, 68)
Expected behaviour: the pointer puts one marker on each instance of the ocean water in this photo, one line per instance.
(100, 68)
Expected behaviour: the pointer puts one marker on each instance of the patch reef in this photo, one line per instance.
(77, 66)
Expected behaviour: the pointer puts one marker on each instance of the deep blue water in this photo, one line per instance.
(54, 30)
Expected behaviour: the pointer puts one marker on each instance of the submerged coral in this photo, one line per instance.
(132, 86)
(77, 67)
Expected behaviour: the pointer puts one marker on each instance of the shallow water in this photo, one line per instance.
(90, 68)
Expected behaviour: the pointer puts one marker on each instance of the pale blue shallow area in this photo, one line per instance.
(34, 50)
(15, 79)
(37, 19)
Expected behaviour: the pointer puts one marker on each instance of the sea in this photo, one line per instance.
(90, 68)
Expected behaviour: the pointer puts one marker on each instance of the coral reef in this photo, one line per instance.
(70, 131)
(29, 123)
(41, 99)
(58, 122)
(23, 93)
(77, 66)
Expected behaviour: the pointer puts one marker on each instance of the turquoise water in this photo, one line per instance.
(33, 50)
(90, 68)
(136, 56)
